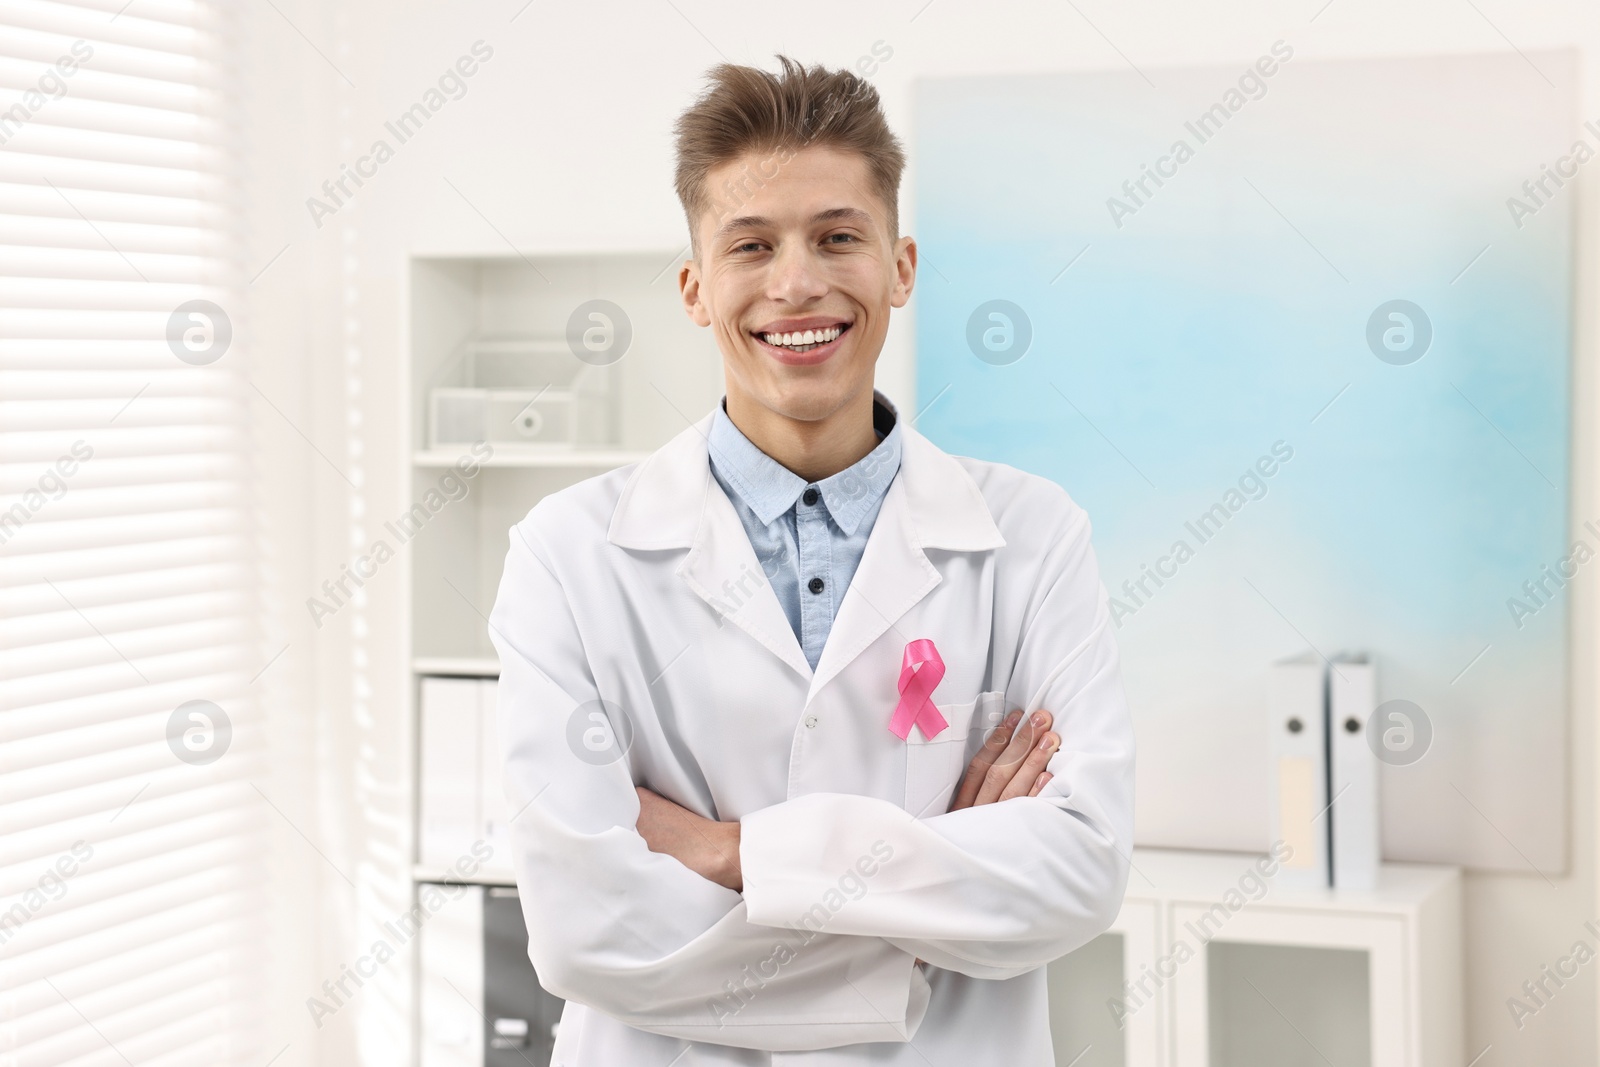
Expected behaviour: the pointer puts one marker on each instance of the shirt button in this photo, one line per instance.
(810, 497)
(815, 585)
(811, 721)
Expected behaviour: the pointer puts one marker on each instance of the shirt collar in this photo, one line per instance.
(770, 489)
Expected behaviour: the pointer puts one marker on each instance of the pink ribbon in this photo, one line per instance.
(920, 672)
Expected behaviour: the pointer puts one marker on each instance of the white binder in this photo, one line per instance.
(449, 791)
(450, 1004)
(1354, 774)
(1298, 719)
(461, 800)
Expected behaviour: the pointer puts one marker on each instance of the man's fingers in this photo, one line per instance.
(1032, 768)
(992, 747)
(1009, 762)
(1042, 781)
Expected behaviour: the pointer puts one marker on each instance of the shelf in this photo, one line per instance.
(457, 666)
(485, 876)
(555, 459)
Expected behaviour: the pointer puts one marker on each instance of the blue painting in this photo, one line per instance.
(1297, 335)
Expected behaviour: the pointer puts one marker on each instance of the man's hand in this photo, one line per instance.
(1010, 763)
(705, 846)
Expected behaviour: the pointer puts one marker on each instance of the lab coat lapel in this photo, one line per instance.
(932, 503)
(672, 501)
(723, 569)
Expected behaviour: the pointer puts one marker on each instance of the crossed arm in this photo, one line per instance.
(1010, 764)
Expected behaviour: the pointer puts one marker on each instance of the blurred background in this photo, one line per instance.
(1294, 299)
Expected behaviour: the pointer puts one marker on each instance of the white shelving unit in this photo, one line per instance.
(457, 309)
(1220, 973)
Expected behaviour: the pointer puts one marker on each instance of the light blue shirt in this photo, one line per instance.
(809, 536)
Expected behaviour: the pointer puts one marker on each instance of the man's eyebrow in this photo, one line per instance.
(836, 214)
(743, 222)
(843, 214)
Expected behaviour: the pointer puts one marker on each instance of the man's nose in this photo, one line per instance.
(796, 277)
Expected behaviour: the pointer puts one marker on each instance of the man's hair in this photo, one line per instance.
(745, 109)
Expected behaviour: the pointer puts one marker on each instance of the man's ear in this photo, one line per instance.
(905, 271)
(689, 289)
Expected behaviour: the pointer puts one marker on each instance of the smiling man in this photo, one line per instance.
(817, 733)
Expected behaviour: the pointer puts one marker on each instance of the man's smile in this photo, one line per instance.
(802, 341)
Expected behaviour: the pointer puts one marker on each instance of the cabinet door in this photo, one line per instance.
(1105, 1010)
(1293, 1005)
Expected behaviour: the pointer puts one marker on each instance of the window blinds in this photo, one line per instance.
(132, 840)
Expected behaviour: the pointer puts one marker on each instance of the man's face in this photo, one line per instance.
(806, 251)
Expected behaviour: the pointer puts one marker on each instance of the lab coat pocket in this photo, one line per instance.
(934, 767)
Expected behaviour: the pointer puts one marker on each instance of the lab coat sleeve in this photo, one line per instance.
(633, 933)
(1001, 889)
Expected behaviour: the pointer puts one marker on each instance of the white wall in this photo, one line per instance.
(562, 141)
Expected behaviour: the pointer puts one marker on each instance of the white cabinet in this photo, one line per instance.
(1221, 967)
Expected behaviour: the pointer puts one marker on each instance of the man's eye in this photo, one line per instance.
(841, 238)
(749, 246)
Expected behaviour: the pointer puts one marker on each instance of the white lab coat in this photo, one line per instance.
(640, 587)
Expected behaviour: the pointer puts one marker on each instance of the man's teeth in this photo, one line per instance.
(803, 338)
